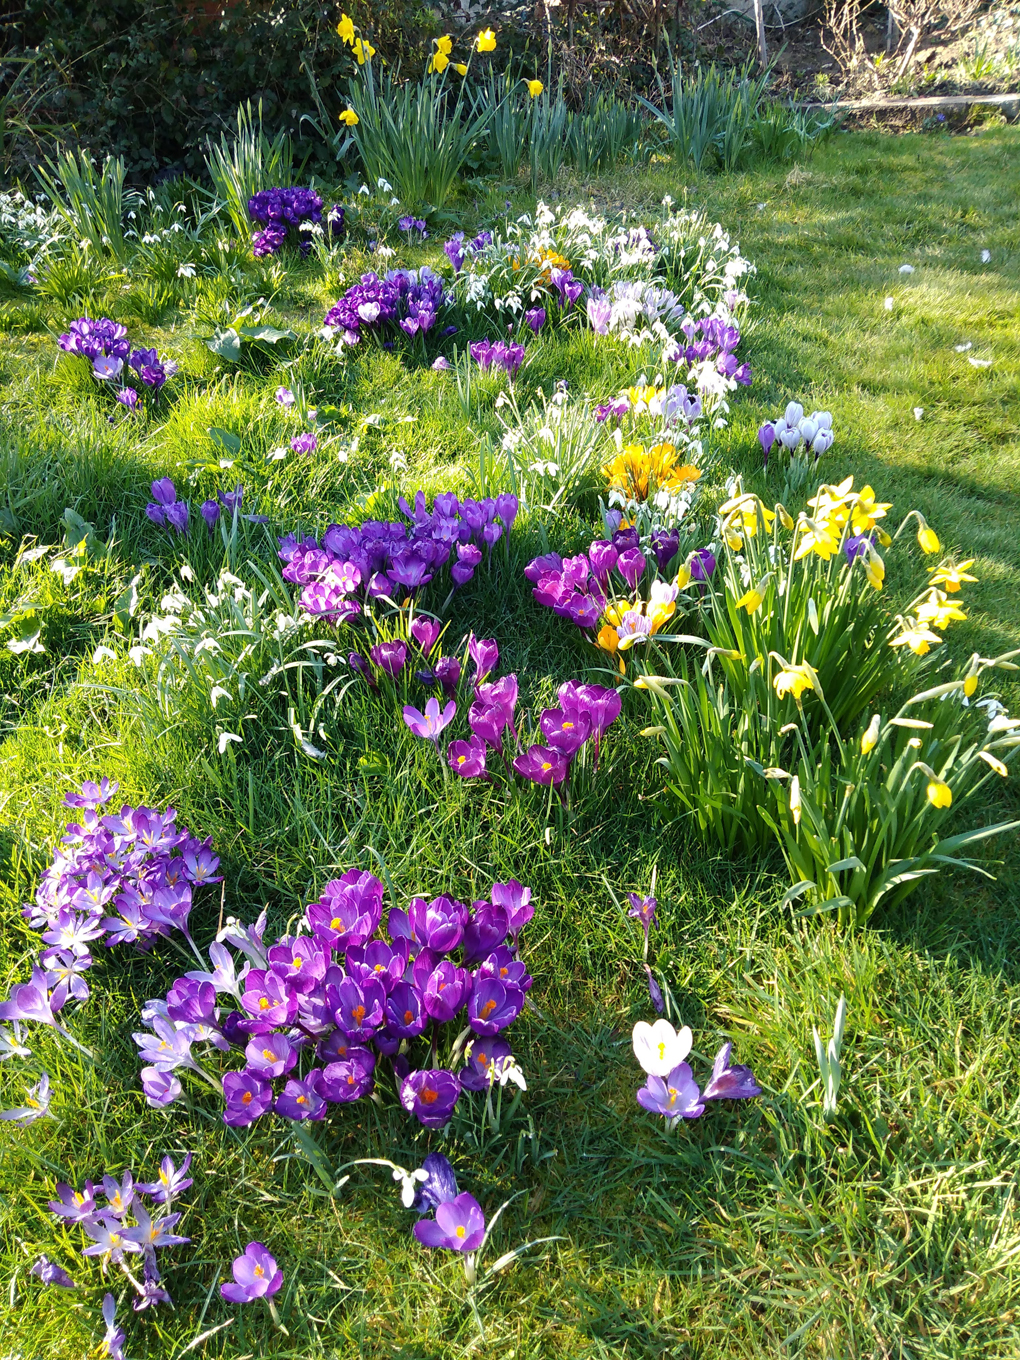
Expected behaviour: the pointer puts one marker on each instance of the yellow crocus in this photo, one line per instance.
(952, 577)
(915, 637)
(939, 610)
(608, 639)
(866, 510)
(349, 117)
(535, 88)
(870, 738)
(927, 537)
(486, 41)
(751, 600)
(940, 795)
(615, 612)
(346, 29)
(794, 680)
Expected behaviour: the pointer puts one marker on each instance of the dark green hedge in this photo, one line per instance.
(149, 81)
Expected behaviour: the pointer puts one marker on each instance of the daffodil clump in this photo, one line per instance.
(759, 718)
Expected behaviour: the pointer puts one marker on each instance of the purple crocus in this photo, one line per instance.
(631, 566)
(306, 442)
(113, 1341)
(676, 1096)
(467, 758)
(29, 1001)
(440, 1185)
(702, 564)
(535, 318)
(210, 512)
(301, 1099)
(350, 1078)
(430, 723)
(425, 632)
(493, 1006)
(256, 1276)
(542, 765)
(173, 1180)
(565, 731)
(161, 1088)
(485, 654)
(730, 1081)
(485, 1061)
(50, 1273)
(643, 909)
(270, 1055)
(857, 544)
(459, 1225)
(127, 396)
(74, 1206)
(445, 991)
(430, 1096)
(389, 656)
(766, 438)
(247, 1096)
(231, 500)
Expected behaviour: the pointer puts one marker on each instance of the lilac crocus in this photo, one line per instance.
(128, 397)
(643, 909)
(459, 1225)
(29, 1001)
(306, 442)
(766, 438)
(161, 1088)
(730, 1081)
(535, 318)
(675, 1096)
(440, 364)
(430, 1096)
(113, 1341)
(50, 1273)
(73, 1206)
(284, 396)
(542, 765)
(600, 313)
(173, 1180)
(389, 656)
(36, 1106)
(256, 1275)
(430, 723)
(270, 1055)
(301, 1099)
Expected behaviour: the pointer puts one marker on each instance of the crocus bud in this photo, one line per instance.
(794, 413)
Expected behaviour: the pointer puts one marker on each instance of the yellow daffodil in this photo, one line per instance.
(915, 637)
(444, 45)
(866, 510)
(608, 639)
(486, 41)
(821, 537)
(363, 50)
(795, 800)
(830, 502)
(349, 117)
(751, 600)
(440, 61)
(952, 577)
(535, 88)
(940, 795)
(874, 569)
(346, 30)
(794, 680)
(994, 761)
(460, 68)
(939, 610)
(927, 537)
(733, 540)
(870, 738)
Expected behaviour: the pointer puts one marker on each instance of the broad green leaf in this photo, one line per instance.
(225, 439)
(226, 343)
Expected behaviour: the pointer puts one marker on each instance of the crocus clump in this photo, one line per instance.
(121, 877)
(407, 300)
(602, 590)
(123, 1230)
(794, 429)
(105, 344)
(314, 1015)
(671, 1089)
(280, 212)
(497, 354)
(457, 248)
(166, 509)
(356, 563)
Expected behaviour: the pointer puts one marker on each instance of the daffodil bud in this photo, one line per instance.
(994, 761)
(927, 537)
(870, 738)
(939, 794)
(795, 800)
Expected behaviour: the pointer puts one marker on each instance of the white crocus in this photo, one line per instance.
(659, 1048)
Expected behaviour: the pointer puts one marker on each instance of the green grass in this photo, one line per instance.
(755, 1231)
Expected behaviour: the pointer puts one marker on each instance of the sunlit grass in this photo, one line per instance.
(754, 1232)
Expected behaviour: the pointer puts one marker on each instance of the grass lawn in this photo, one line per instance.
(757, 1230)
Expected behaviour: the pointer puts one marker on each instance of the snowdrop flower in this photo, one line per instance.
(979, 363)
(225, 738)
(918, 412)
(409, 1182)
(962, 349)
(986, 257)
(659, 1048)
(888, 304)
(906, 268)
(186, 271)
